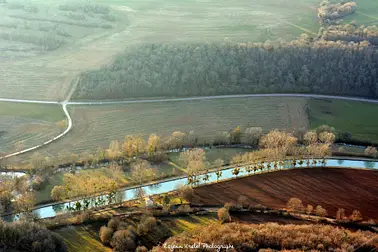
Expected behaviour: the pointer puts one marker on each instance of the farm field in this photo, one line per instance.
(49, 68)
(45, 44)
(26, 125)
(97, 126)
(354, 117)
(332, 188)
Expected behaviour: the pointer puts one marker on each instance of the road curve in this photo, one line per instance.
(69, 119)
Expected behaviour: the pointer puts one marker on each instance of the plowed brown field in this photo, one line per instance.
(331, 188)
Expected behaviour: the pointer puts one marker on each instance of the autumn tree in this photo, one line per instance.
(114, 150)
(25, 202)
(58, 193)
(224, 215)
(295, 205)
(251, 136)
(176, 140)
(319, 210)
(153, 144)
(309, 209)
(355, 216)
(141, 170)
(340, 214)
(133, 146)
(193, 159)
(310, 138)
(371, 151)
(236, 135)
(327, 137)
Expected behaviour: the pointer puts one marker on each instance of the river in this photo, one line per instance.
(126, 194)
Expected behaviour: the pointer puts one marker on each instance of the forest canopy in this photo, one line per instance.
(302, 66)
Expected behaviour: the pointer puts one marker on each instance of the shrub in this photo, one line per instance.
(356, 216)
(123, 240)
(106, 234)
(146, 225)
(295, 205)
(319, 210)
(224, 215)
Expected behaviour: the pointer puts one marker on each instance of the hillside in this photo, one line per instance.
(332, 188)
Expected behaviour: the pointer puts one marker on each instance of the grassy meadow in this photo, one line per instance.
(28, 125)
(354, 117)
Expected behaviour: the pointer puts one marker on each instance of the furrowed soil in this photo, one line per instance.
(332, 188)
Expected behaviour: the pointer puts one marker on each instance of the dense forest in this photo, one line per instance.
(305, 65)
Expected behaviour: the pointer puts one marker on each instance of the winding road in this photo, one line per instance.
(65, 103)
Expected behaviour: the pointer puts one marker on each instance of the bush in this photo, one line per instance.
(123, 240)
(295, 205)
(106, 234)
(146, 225)
(224, 215)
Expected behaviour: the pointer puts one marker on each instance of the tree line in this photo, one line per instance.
(306, 65)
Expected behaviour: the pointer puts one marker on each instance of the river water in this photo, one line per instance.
(172, 184)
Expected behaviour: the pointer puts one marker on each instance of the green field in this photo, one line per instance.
(96, 126)
(357, 118)
(32, 124)
(366, 13)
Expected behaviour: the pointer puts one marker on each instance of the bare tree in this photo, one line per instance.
(141, 170)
